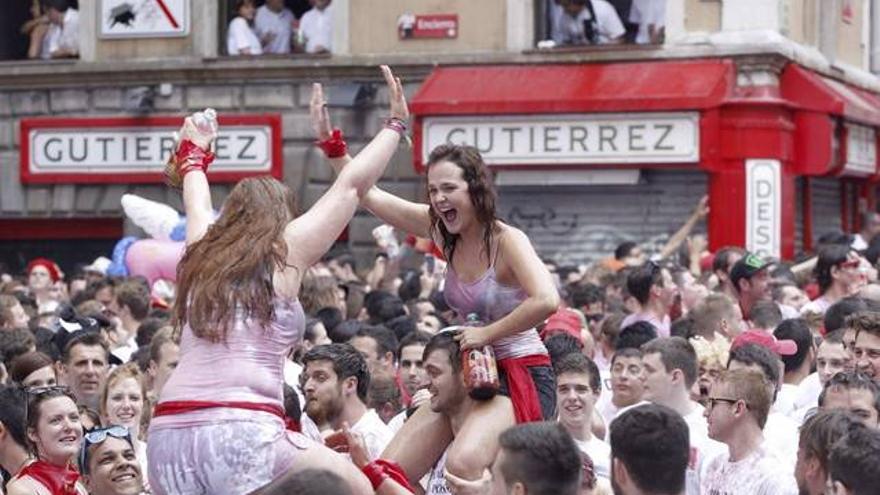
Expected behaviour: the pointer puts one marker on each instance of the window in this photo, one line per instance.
(580, 23)
(39, 30)
(275, 27)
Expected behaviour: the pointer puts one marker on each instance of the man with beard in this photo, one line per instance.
(108, 463)
(336, 383)
(649, 451)
(577, 389)
(751, 278)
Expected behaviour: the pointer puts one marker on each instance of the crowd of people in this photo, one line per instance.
(281, 366)
(272, 28)
(605, 22)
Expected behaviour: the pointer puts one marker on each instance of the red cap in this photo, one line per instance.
(54, 271)
(563, 320)
(764, 339)
(706, 262)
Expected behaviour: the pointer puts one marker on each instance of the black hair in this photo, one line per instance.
(85, 338)
(385, 340)
(798, 330)
(653, 442)
(14, 342)
(402, 326)
(854, 460)
(722, 258)
(562, 344)
(581, 295)
(676, 353)
(578, 363)
(411, 285)
(12, 413)
(147, 329)
(765, 314)
(830, 256)
(543, 457)
(635, 335)
(754, 354)
(837, 313)
(852, 380)
(343, 332)
(624, 249)
(342, 257)
(385, 309)
(330, 317)
(444, 341)
(417, 337)
(626, 352)
(641, 279)
(683, 327)
(59, 5)
(292, 407)
(347, 362)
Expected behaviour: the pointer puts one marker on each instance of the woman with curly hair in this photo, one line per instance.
(219, 425)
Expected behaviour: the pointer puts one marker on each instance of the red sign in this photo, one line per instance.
(427, 26)
(123, 150)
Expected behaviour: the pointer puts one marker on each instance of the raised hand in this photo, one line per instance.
(318, 113)
(397, 98)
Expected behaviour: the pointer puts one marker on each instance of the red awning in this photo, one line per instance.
(617, 87)
(810, 91)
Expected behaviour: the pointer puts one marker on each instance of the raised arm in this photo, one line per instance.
(313, 233)
(404, 215)
(187, 168)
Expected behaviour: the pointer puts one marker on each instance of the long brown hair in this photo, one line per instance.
(230, 268)
(482, 193)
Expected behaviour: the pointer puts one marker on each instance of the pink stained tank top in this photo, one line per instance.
(491, 301)
(248, 367)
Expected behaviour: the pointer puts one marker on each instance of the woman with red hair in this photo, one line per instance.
(43, 277)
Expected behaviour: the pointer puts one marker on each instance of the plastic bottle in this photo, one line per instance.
(206, 121)
(479, 367)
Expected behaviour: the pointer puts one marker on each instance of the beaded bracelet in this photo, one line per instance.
(334, 146)
(397, 125)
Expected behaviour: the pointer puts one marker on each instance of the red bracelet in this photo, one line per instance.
(190, 156)
(334, 146)
(374, 472)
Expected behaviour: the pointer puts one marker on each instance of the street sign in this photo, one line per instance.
(764, 207)
(144, 18)
(134, 150)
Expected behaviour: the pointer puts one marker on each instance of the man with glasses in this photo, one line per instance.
(577, 388)
(108, 463)
(838, 275)
(652, 286)
(866, 348)
(736, 412)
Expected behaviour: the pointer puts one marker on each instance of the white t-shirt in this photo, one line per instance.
(703, 450)
(317, 28)
(600, 454)
(292, 371)
(396, 422)
(240, 36)
(808, 392)
(781, 438)
(436, 480)
(376, 434)
(65, 36)
(644, 13)
(819, 306)
(570, 30)
(785, 399)
(760, 473)
(278, 23)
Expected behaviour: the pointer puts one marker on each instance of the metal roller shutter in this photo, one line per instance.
(574, 224)
(827, 213)
(799, 215)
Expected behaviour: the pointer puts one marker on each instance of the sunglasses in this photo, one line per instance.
(850, 264)
(34, 393)
(96, 436)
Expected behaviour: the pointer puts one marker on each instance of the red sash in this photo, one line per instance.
(59, 480)
(523, 393)
(169, 408)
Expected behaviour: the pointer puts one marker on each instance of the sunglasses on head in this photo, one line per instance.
(54, 390)
(96, 436)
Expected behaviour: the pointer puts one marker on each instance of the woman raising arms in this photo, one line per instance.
(494, 272)
(218, 427)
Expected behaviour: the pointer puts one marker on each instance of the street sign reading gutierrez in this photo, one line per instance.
(571, 138)
(110, 150)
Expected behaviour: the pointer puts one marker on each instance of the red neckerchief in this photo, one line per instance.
(59, 480)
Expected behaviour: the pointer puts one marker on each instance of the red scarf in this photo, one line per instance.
(59, 480)
(523, 394)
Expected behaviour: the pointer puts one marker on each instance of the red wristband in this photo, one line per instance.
(334, 146)
(373, 471)
(190, 157)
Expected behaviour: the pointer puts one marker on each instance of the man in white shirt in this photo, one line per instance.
(796, 366)
(737, 410)
(818, 435)
(62, 38)
(870, 229)
(336, 382)
(626, 384)
(650, 15)
(274, 24)
(670, 370)
(654, 289)
(588, 22)
(577, 388)
(854, 392)
(831, 358)
(316, 26)
(129, 307)
(838, 275)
